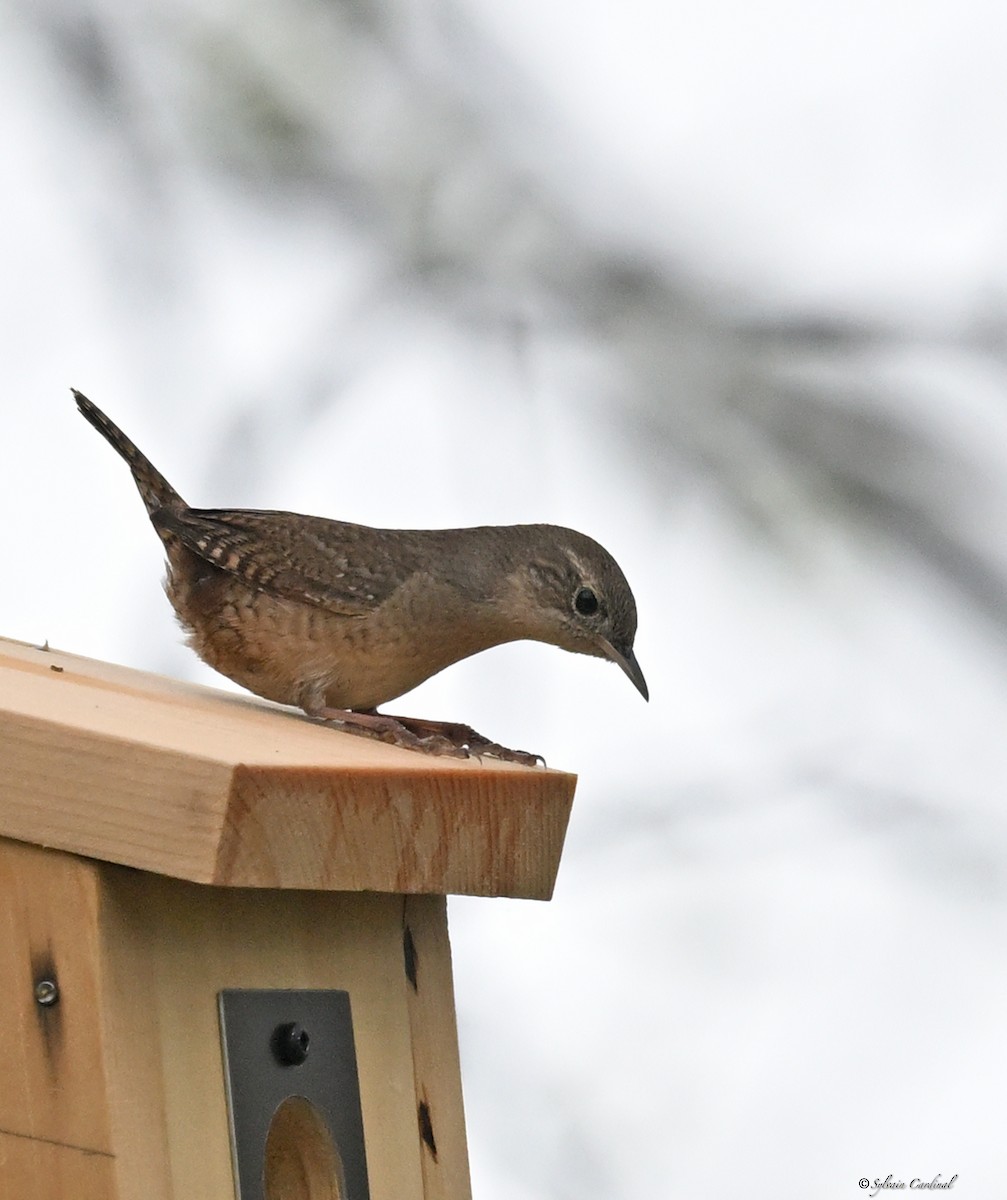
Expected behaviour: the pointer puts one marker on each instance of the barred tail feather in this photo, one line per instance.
(156, 491)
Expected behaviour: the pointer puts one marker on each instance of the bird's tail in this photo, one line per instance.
(156, 491)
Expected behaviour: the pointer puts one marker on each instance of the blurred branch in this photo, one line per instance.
(403, 122)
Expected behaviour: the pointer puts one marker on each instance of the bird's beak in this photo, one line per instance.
(627, 660)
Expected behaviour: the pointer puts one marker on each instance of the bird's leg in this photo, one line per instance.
(465, 738)
(388, 729)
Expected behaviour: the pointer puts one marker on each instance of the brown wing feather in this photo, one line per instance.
(343, 568)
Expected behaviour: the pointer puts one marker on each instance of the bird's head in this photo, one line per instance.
(578, 599)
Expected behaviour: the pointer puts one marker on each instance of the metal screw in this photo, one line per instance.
(46, 992)
(290, 1044)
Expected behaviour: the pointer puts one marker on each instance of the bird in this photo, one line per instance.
(336, 618)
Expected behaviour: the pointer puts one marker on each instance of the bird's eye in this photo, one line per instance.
(586, 602)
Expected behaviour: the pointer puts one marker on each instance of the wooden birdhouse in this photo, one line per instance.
(224, 960)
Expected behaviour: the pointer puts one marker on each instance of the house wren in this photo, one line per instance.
(337, 618)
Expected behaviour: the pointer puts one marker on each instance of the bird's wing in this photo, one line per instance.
(343, 568)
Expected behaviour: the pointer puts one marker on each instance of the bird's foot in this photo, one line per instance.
(430, 737)
(466, 740)
(390, 730)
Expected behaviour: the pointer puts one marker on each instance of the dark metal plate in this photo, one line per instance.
(265, 1062)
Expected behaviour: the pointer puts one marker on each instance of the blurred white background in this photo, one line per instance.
(724, 286)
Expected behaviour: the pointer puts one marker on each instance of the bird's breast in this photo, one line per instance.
(305, 655)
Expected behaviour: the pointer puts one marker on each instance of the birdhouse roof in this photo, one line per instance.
(217, 788)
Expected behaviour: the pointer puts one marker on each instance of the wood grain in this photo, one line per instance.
(34, 1170)
(183, 943)
(217, 788)
(436, 1067)
(51, 1058)
(118, 1090)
